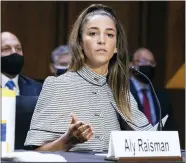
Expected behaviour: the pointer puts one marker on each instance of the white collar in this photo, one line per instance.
(5, 79)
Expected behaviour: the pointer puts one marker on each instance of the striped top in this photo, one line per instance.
(89, 97)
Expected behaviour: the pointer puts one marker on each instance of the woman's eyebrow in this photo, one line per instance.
(93, 28)
(108, 29)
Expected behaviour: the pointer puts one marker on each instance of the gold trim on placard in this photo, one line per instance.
(151, 159)
(144, 159)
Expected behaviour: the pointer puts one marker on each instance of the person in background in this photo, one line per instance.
(12, 62)
(145, 62)
(80, 108)
(60, 60)
(27, 90)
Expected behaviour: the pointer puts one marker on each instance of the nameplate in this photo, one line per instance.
(144, 144)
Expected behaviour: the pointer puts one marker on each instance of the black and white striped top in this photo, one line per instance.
(89, 97)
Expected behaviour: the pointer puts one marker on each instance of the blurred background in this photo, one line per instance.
(158, 26)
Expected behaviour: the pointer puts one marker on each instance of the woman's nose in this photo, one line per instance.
(101, 39)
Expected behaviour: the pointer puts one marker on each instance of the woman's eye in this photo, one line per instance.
(92, 33)
(110, 35)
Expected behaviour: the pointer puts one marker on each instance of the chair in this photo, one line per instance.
(25, 106)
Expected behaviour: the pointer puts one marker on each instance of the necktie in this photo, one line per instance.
(10, 84)
(146, 106)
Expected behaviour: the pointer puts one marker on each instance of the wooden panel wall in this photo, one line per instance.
(175, 58)
(175, 40)
(41, 26)
(34, 23)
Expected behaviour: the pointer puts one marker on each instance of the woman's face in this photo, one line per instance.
(99, 40)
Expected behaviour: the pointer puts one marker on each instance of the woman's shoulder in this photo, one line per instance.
(62, 78)
(63, 83)
(67, 78)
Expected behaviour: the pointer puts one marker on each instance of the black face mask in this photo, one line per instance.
(148, 71)
(12, 64)
(60, 71)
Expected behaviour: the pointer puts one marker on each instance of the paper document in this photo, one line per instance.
(163, 122)
(33, 157)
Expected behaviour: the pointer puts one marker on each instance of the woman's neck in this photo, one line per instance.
(101, 70)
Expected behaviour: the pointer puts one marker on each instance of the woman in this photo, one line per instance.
(95, 90)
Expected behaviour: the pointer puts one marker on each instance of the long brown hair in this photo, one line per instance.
(118, 76)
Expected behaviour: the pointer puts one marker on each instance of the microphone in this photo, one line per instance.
(134, 69)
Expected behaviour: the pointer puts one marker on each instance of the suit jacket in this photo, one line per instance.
(166, 107)
(25, 105)
(29, 87)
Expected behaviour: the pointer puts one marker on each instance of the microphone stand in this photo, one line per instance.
(160, 126)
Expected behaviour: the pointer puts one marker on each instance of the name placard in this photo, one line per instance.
(131, 144)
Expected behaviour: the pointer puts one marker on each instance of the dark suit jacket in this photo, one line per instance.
(25, 105)
(166, 107)
(29, 87)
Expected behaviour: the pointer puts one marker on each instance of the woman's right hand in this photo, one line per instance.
(78, 131)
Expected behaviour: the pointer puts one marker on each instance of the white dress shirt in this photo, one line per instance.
(5, 79)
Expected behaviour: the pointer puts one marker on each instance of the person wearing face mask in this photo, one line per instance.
(60, 60)
(144, 61)
(27, 90)
(12, 62)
